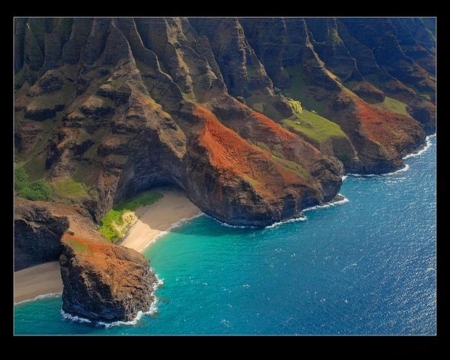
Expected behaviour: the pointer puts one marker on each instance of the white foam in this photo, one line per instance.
(421, 151)
(74, 318)
(403, 169)
(274, 225)
(151, 311)
(344, 200)
(41, 297)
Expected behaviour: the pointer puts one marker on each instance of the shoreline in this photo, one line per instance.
(153, 221)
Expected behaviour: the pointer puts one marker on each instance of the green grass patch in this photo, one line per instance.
(34, 190)
(393, 105)
(70, 189)
(313, 126)
(297, 168)
(77, 246)
(298, 89)
(20, 178)
(296, 106)
(114, 217)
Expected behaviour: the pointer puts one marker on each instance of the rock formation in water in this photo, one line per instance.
(104, 282)
(255, 118)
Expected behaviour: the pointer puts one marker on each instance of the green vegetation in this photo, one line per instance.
(79, 247)
(115, 217)
(34, 190)
(298, 89)
(296, 106)
(393, 105)
(297, 168)
(70, 189)
(107, 226)
(20, 178)
(313, 126)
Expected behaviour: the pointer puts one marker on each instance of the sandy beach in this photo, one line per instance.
(151, 221)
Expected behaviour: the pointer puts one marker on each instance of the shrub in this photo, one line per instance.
(36, 190)
(114, 216)
(20, 178)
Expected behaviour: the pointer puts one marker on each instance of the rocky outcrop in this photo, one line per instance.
(104, 282)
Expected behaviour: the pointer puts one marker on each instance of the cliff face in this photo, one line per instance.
(121, 105)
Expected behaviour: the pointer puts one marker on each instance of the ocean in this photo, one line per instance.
(364, 266)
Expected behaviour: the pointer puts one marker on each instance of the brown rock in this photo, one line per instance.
(104, 282)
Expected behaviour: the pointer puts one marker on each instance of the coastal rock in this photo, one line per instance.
(104, 282)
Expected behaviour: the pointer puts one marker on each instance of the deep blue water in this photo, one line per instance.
(363, 267)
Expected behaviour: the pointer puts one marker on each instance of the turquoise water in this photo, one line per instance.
(366, 266)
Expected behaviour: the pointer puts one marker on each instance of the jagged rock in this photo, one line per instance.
(104, 282)
(240, 67)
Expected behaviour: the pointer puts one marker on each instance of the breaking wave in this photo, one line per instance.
(342, 200)
(274, 225)
(428, 144)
